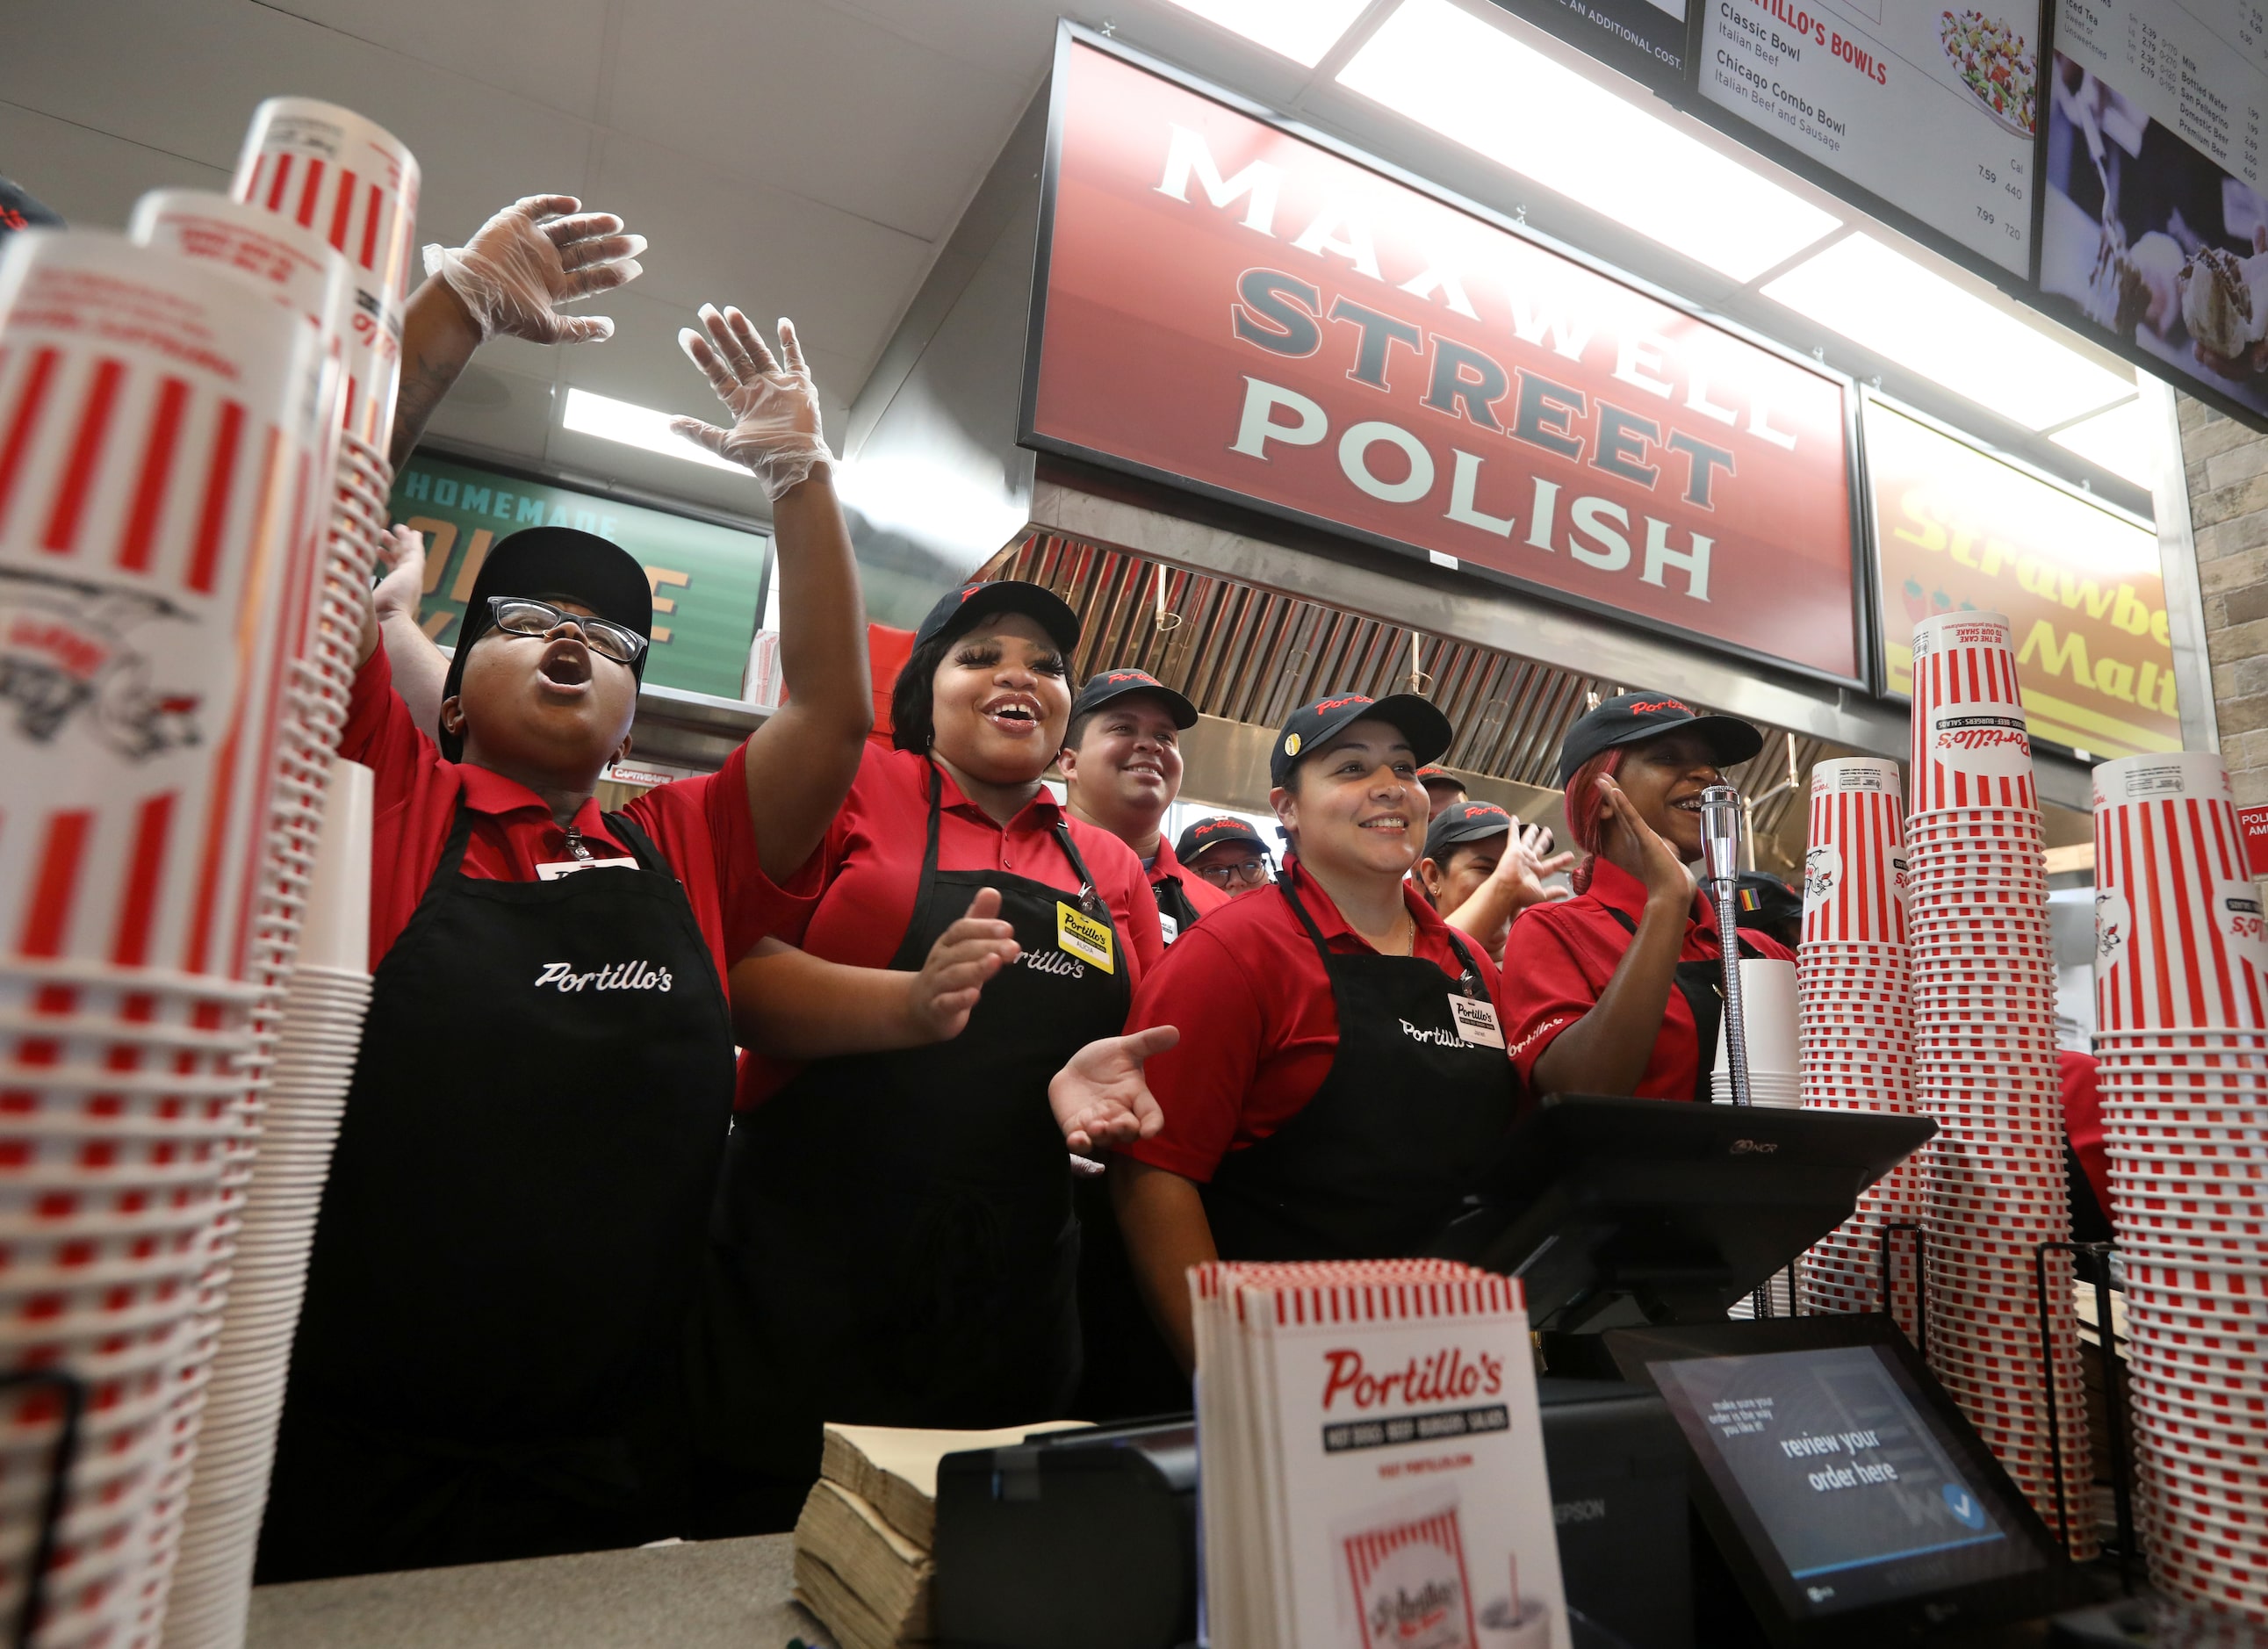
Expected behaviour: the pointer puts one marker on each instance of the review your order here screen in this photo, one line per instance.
(1835, 1462)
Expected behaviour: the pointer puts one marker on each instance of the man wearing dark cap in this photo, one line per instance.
(20, 209)
(508, 1240)
(1479, 875)
(1226, 852)
(1122, 768)
(1444, 790)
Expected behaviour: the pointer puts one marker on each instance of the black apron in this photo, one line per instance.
(893, 1241)
(510, 1229)
(1379, 1159)
(1702, 983)
(1174, 905)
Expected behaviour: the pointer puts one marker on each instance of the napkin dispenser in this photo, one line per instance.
(1084, 1537)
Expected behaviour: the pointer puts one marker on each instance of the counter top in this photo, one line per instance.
(703, 1594)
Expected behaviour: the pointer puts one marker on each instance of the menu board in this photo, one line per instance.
(1645, 39)
(2154, 223)
(1958, 529)
(1931, 110)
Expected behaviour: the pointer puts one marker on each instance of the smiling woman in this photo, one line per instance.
(895, 1242)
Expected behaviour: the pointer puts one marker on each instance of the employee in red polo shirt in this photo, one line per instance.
(511, 1228)
(1341, 1070)
(895, 1239)
(1616, 990)
(1122, 770)
(1226, 853)
(1482, 867)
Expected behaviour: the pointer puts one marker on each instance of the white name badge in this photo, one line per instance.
(568, 867)
(1476, 1017)
(1170, 928)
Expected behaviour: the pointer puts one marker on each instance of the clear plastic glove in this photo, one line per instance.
(775, 409)
(401, 592)
(532, 256)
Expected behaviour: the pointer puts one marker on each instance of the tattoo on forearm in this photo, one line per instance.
(426, 382)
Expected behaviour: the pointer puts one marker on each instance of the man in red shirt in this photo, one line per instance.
(1122, 767)
(1478, 875)
(1226, 853)
(485, 1365)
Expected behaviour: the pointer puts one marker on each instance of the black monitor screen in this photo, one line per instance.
(1833, 1461)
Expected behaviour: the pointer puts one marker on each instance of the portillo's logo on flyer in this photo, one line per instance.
(1240, 310)
(1449, 1375)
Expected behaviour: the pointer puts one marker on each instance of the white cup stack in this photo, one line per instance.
(1984, 1068)
(160, 429)
(1857, 1023)
(322, 218)
(1768, 995)
(2181, 990)
(305, 1099)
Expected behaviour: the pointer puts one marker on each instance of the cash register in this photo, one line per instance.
(1634, 1225)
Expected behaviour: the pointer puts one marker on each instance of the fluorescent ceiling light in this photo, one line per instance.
(1302, 30)
(2127, 441)
(634, 426)
(1879, 297)
(1475, 85)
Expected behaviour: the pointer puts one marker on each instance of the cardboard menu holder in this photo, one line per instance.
(1371, 1459)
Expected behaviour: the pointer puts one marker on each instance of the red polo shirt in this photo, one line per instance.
(1259, 1028)
(2082, 1121)
(871, 867)
(700, 826)
(1203, 897)
(1559, 957)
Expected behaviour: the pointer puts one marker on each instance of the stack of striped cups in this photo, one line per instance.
(2182, 998)
(1858, 1022)
(322, 220)
(159, 426)
(1984, 1068)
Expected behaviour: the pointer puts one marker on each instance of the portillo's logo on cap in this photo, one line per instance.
(1652, 706)
(1211, 825)
(1116, 676)
(967, 590)
(1324, 706)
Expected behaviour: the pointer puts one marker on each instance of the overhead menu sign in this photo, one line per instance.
(1228, 308)
(2154, 223)
(1956, 528)
(1931, 110)
(1645, 39)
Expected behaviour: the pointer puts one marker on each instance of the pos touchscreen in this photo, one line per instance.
(1844, 1489)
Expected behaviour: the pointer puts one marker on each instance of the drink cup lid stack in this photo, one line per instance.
(1853, 970)
(160, 419)
(1992, 1184)
(2181, 988)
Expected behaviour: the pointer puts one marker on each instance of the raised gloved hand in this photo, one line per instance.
(532, 256)
(774, 408)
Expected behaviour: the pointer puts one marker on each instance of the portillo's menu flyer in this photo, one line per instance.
(1933, 109)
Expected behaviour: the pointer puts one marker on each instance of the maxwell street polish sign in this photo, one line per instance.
(1227, 305)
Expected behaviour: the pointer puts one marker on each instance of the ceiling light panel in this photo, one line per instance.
(2128, 440)
(634, 426)
(1885, 301)
(1454, 73)
(1302, 30)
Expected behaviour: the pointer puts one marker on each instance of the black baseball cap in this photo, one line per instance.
(1433, 770)
(1212, 833)
(552, 563)
(20, 209)
(1764, 898)
(1428, 729)
(1465, 822)
(958, 610)
(1634, 718)
(1106, 685)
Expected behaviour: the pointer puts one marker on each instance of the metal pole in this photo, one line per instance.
(1720, 868)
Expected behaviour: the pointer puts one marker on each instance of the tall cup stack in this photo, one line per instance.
(2181, 999)
(1984, 1068)
(1854, 970)
(158, 427)
(317, 188)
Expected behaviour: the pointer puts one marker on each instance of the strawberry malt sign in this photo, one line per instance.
(1234, 309)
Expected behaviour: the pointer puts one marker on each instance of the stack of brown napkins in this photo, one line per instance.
(862, 1546)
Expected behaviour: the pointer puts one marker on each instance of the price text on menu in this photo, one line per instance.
(1931, 110)
(2200, 70)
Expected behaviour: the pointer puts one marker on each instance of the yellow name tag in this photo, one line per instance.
(1080, 935)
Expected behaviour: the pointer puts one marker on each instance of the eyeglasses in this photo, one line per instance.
(522, 616)
(1252, 872)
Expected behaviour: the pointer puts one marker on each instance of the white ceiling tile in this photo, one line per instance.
(719, 239)
(547, 51)
(818, 102)
(89, 177)
(1016, 38)
(496, 410)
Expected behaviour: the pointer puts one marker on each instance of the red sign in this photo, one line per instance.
(1229, 306)
(2255, 820)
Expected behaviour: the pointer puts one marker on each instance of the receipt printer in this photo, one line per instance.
(1083, 1537)
(1618, 1466)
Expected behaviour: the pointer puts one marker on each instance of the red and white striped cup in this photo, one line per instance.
(1971, 746)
